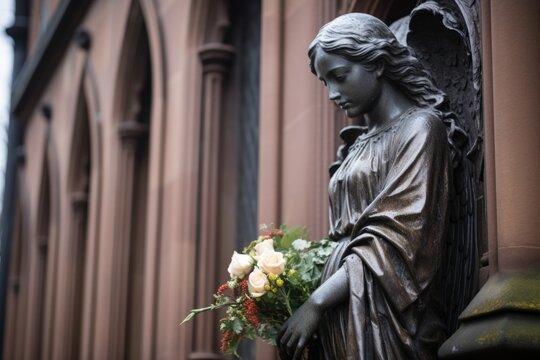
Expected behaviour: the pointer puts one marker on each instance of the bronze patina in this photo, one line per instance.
(382, 294)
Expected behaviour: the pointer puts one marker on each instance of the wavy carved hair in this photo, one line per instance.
(365, 39)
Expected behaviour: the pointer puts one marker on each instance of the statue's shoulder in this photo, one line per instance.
(425, 123)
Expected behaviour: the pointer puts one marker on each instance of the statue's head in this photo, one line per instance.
(366, 40)
(357, 37)
(363, 39)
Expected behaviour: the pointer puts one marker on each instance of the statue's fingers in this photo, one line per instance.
(284, 340)
(299, 349)
(281, 332)
(285, 334)
(291, 345)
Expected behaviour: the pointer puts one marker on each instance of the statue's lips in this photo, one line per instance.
(344, 105)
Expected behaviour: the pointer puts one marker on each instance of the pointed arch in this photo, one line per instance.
(138, 117)
(75, 249)
(42, 243)
(43, 254)
(91, 97)
(18, 274)
(147, 332)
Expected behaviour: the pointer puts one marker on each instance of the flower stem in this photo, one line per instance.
(196, 312)
(287, 303)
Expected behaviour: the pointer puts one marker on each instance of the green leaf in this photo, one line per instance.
(237, 326)
(291, 235)
(189, 317)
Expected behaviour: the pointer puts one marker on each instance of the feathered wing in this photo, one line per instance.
(445, 38)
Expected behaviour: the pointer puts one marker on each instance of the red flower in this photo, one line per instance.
(224, 346)
(244, 286)
(251, 309)
(276, 233)
(222, 289)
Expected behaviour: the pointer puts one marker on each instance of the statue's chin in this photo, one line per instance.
(352, 113)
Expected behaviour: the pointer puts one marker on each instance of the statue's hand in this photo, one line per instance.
(298, 330)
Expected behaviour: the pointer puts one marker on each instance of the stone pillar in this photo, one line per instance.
(216, 59)
(131, 134)
(74, 280)
(503, 320)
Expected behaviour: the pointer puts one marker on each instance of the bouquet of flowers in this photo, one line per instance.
(270, 279)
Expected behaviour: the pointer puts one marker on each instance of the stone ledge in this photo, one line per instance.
(502, 321)
(505, 336)
(506, 292)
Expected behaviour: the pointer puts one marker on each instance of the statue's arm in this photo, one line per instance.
(301, 326)
(332, 292)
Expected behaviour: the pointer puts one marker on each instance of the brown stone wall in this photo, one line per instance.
(186, 211)
(515, 55)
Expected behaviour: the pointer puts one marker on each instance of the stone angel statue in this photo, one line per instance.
(395, 204)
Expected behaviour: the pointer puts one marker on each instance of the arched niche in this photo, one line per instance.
(79, 185)
(134, 118)
(88, 93)
(389, 11)
(43, 253)
(18, 272)
(42, 243)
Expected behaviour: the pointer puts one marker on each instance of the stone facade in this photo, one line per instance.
(128, 174)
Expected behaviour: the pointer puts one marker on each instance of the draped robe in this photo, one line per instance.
(388, 210)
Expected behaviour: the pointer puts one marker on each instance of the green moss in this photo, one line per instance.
(511, 331)
(502, 321)
(508, 291)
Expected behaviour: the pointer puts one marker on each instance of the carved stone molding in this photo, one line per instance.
(132, 130)
(216, 57)
(83, 39)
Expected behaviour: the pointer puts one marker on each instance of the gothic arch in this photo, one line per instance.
(88, 91)
(158, 125)
(75, 259)
(138, 119)
(43, 254)
(142, 13)
(14, 333)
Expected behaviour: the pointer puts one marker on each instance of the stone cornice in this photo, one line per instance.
(47, 54)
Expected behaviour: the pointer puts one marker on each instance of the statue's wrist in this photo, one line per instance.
(316, 300)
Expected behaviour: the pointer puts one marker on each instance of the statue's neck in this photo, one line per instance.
(392, 103)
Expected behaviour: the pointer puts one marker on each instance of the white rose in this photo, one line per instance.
(240, 265)
(257, 281)
(272, 262)
(264, 247)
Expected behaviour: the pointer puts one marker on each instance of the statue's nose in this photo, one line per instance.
(333, 94)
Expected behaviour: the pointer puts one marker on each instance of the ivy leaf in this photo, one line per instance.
(236, 326)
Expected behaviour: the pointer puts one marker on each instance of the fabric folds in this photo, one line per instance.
(388, 205)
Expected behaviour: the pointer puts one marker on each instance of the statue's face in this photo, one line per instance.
(353, 88)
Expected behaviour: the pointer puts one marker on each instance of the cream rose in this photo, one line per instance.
(272, 262)
(240, 265)
(257, 281)
(264, 247)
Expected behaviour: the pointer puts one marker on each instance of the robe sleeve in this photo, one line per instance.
(399, 237)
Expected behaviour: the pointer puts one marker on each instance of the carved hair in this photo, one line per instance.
(366, 40)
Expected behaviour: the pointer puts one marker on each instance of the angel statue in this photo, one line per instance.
(382, 294)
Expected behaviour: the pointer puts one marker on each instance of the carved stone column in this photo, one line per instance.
(131, 134)
(79, 204)
(216, 59)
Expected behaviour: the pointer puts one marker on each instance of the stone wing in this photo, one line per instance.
(445, 36)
